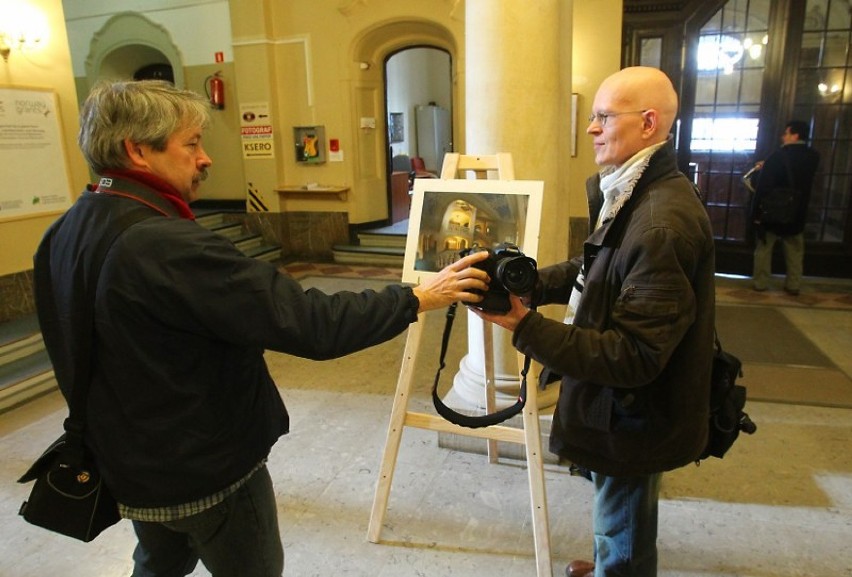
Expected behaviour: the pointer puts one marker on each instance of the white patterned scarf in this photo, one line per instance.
(616, 184)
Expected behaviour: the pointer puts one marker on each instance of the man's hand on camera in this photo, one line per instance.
(454, 283)
(511, 319)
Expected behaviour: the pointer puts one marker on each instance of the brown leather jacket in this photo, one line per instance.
(636, 362)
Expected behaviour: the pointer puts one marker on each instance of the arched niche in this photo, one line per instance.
(127, 42)
(374, 44)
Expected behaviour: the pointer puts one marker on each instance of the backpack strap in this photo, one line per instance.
(46, 309)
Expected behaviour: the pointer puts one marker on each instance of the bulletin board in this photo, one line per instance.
(35, 176)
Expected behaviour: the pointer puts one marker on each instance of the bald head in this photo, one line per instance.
(633, 109)
(644, 88)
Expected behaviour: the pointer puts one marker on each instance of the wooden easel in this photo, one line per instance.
(530, 436)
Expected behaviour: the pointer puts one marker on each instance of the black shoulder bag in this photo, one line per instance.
(69, 496)
(474, 421)
(727, 404)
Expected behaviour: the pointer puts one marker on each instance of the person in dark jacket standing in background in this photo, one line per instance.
(796, 160)
(182, 410)
(636, 351)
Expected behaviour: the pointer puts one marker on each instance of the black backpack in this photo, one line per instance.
(727, 401)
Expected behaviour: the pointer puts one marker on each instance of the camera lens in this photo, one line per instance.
(518, 274)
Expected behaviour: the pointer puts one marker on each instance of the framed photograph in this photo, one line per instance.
(396, 127)
(448, 216)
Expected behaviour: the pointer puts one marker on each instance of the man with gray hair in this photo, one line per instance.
(636, 356)
(182, 411)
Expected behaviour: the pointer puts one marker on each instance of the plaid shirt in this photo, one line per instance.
(175, 512)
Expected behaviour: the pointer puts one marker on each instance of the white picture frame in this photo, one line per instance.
(448, 216)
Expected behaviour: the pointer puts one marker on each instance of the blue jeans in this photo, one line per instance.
(625, 525)
(239, 537)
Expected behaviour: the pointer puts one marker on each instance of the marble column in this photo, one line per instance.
(514, 90)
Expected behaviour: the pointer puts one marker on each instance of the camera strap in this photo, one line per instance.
(471, 421)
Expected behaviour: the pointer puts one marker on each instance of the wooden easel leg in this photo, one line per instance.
(490, 392)
(395, 428)
(535, 470)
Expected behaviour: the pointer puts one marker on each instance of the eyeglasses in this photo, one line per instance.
(602, 117)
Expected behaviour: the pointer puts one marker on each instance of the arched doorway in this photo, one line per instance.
(371, 53)
(419, 102)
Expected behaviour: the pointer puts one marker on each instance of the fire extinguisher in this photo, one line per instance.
(214, 86)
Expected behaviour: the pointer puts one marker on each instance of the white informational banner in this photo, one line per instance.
(32, 155)
(256, 130)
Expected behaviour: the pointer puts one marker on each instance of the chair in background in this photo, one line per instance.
(419, 168)
(401, 163)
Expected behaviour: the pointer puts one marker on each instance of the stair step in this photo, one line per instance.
(251, 245)
(21, 348)
(248, 242)
(17, 329)
(210, 220)
(387, 250)
(25, 379)
(266, 252)
(23, 391)
(370, 238)
(24, 368)
(229, 230)
(369, 255)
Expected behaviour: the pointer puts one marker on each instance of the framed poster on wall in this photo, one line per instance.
(32, 153)
(396, 127)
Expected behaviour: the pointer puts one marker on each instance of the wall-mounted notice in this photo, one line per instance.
(256, 130)
(33, 164)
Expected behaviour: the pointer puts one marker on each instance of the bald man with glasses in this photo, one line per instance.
(635, 350)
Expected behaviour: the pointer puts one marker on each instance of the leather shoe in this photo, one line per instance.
(580, 568)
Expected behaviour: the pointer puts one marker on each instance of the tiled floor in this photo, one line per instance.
(779, 505)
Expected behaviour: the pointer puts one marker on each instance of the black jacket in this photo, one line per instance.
(182, 404)
(636, 361)
(802, 161)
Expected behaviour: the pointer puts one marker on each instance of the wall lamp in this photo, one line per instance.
(7, 43)
(22, 29)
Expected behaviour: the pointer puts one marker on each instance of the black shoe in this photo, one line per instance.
(791, 292)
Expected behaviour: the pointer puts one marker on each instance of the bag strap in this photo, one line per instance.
(469, 421)
(76, 421)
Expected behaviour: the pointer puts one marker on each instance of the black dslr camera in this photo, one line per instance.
(511, 271)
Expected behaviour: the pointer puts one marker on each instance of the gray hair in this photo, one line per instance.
(145, 111)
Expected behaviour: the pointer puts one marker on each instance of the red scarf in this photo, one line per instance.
(159, 186)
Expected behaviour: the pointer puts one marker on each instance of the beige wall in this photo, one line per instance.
(596, 55)
(48, 66)
(316, 81)
(303, 58)
(222, 137)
